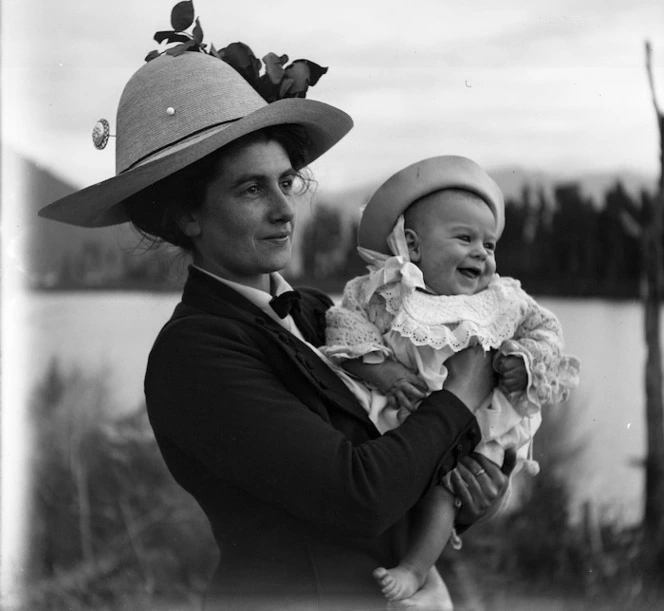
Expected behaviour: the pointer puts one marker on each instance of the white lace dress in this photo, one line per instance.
(388, 313)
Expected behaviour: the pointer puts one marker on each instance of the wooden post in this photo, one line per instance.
(653, 522)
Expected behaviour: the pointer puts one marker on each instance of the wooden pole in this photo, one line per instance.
(653, 262)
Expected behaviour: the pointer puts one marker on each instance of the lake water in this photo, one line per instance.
(112, 333)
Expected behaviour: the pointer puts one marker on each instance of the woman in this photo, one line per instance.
(304, 496)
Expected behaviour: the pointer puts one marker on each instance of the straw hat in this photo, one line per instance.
(414, 182)
(176, 110)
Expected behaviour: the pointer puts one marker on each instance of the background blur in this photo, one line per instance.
(551, 97)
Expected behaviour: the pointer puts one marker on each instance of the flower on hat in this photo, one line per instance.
(277, 82)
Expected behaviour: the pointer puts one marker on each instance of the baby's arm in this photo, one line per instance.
(355, 328)
(536, 348)
(354, 340)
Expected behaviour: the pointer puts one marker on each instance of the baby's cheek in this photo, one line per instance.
(491, 266)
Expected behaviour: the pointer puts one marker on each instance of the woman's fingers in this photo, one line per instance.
(470, 506)
(494, 478)
(479, 482)
(460, 488)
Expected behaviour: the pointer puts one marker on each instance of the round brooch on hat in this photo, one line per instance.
(101, 133)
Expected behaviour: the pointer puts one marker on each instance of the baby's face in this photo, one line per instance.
(455, 243)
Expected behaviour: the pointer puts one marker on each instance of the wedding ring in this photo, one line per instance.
(480, 472)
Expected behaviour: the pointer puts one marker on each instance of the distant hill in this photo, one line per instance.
(593, 185)
(40, 245)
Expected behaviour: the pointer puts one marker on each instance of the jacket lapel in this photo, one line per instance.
(204, 292)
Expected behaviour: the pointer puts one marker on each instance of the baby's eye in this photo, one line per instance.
(464, 237)
(490, 246)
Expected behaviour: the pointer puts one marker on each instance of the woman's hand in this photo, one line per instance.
(470, 376)
(432, 596)
(480, 485)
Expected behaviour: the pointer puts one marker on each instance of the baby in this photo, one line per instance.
(429, 235)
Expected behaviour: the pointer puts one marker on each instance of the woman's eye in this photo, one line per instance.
(252, 189)
(287, 184)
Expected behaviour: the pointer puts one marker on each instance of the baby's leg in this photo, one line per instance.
(433, 526)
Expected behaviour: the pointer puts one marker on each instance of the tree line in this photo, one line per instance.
(559, 243)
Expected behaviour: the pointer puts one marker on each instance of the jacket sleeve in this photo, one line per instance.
(211, 392)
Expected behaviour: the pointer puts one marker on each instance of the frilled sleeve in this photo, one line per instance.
(539, 341)
(355, 328)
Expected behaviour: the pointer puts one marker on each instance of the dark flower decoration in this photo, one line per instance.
(278, 81)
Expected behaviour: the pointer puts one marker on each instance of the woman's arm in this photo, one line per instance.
(211, 392)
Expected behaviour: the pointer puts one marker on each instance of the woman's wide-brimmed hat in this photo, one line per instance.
(176, 110)
(414, 182)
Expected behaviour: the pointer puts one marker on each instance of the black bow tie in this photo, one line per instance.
(286, 303)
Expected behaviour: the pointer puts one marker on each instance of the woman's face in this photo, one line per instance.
(244, 229)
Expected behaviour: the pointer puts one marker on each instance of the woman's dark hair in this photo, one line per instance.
(156, 210)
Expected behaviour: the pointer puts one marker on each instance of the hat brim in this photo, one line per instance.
(101, 204)
(407, 186)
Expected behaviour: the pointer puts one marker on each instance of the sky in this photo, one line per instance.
(553, 85)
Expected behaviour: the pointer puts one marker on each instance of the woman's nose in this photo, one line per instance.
(282, 206)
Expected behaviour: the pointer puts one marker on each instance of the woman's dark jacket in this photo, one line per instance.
(304, 496)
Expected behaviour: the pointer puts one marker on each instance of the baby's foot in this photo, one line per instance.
(397, 583)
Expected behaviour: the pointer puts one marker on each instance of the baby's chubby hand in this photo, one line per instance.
(403, 388)
(512, 372)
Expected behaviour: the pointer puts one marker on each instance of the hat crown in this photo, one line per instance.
(418, 180)
(174, 97)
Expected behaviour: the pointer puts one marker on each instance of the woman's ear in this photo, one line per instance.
(413, 243)
(189, 225)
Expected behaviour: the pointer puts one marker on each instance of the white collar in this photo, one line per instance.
(258, 297)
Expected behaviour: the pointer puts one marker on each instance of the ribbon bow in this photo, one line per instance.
(287, 302)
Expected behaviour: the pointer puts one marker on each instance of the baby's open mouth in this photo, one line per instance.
(469, 272)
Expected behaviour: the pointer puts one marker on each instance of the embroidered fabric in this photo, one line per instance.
(390, 313)
(392, 303)
(355, 328)
(489, 318)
